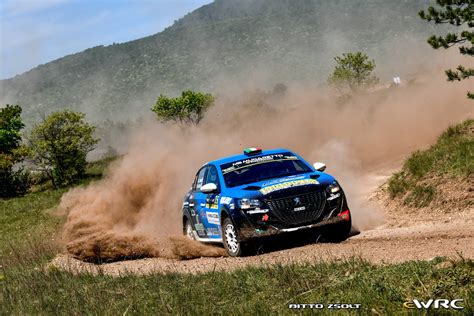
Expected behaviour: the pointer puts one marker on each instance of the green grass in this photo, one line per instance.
(26, 217)
(29, 222)
(451, 156)
(420, 196)
(248, 291)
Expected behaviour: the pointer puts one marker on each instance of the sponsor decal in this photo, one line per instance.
(213, 203)
(434, 304)
(226, 200)
(199, 226)
(286, 185)
(212, 218)
(282, 180)
(212, 232)
(332, 197)
(257, 160)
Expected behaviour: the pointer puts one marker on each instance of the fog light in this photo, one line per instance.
(346, 215)
(246, 204)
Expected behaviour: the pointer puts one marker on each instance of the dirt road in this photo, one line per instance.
(385, 245)
(405, 235)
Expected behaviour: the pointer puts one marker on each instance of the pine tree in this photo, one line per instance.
(459, 13)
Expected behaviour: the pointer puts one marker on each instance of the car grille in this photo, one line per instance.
(284, 208)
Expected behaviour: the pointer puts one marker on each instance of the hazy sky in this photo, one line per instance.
(33, 32)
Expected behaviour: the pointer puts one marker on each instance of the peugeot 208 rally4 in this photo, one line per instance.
(237, 199)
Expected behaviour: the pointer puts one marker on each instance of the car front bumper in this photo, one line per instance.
(247, 232)
(251, 226)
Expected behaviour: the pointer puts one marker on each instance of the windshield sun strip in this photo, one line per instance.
(259, 163)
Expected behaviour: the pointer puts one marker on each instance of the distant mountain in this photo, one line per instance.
(238, 40)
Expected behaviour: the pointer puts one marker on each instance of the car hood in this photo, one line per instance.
(263, 188)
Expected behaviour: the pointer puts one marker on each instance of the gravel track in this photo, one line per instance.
(405, 235)
(422, 241)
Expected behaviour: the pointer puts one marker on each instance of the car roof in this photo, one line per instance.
(243, 156)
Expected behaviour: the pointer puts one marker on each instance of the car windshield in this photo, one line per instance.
(262, 168)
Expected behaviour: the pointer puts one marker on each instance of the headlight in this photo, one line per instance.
(334, 188)
(246, 204)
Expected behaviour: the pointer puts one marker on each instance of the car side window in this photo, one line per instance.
(199, 179)
(212, 176)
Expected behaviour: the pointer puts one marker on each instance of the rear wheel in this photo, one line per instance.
(188, 230)
(230, 237)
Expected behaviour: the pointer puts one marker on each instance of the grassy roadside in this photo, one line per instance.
(29, 222)
(440, 175)
(379, 289)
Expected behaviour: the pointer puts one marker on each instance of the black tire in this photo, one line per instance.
(339, 232)
(188, 230)
(230, 238)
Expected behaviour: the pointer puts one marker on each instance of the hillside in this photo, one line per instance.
(440, 177)
(267, 40)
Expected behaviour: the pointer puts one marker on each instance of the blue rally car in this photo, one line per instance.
(260, 193)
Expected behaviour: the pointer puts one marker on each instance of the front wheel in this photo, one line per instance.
(230, 237)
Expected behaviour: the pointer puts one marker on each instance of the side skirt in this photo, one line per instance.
(207, 240)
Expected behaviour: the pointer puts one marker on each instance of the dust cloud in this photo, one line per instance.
(136, 209)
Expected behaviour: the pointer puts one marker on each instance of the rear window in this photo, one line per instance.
(262, 168)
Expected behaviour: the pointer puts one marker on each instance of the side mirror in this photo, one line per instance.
(209, 188)
(319, 166)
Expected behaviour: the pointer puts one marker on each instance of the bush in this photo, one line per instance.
(189, 108)
(14, 180)
(60, 145)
